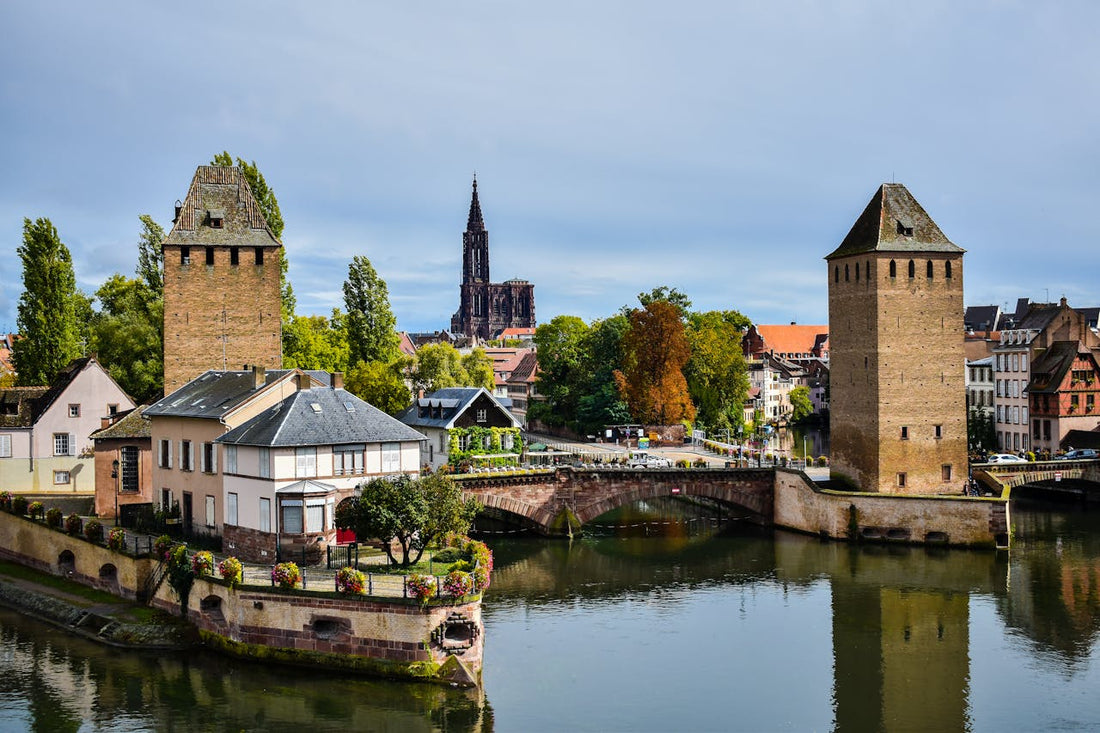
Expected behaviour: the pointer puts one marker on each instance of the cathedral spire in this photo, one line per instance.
(475, 223)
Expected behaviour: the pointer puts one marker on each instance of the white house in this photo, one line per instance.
(458, 412)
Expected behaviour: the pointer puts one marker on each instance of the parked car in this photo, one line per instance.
(1078, 455)
(1004, 458)
(641, 459)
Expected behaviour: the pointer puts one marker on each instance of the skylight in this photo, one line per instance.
(349, 406)
(315, 406)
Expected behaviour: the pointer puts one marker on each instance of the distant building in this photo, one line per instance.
(453, 413)
(222, 281)
(1063, 394)
(485, 308)
(123, 462)
(897, 411)
(979, 385)
(795, 342)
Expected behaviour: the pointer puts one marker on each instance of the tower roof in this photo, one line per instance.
(894, 222)
(220, 210)
(475, 223)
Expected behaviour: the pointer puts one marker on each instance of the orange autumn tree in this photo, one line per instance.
(655, 350)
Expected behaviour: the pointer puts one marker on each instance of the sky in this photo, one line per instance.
(721, 148)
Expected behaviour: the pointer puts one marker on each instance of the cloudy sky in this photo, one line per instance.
(722, 148)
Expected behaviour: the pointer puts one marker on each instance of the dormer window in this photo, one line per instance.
(904, 229)
(216, 217)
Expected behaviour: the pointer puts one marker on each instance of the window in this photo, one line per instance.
(391, 457)
(234, 256)
(128, 468)
(481, 415)
(1090, 403)
(905, 432)
(265, 463)
(231, 460)
(845, 273)
(945, 472)
(74, 410)
(463, 442)
(1036, 433)
(265, 515)
(231, 508)
(5, 445)
(893, 269)
(186, 463)
(928, 270)
(209, 458)
(259, 255)
(164, 455)
(443, 442)
(292, 516)
(901, 480)
(62, 445)
(939, 431)
(836, 273)
(912, 269)
(112, 409)
(315, 515)
(210, 253)
(185, 256)
(305, 462)
(1000, 413)
(61, 477)
(857, 272)
(210, 521)
(347, 460)
(1074, 402)
(507, 441)
(947, 269)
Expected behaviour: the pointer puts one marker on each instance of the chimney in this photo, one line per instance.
(259, 377)
(337, 380)
(105, 422)
(304, 382)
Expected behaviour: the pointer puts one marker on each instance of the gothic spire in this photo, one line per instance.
(475, 223)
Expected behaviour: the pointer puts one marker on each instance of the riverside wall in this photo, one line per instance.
(385, 636)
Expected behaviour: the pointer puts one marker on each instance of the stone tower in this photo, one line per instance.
(486, 308)
(222, 273)
(897, 404)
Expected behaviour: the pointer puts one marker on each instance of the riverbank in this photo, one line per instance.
(90, 613)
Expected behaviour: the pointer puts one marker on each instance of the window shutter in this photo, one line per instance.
(213, 458)
(202, 458)
(72, 444)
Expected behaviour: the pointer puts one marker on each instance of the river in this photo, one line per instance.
(689, 625)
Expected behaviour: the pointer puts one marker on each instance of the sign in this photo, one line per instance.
(643, 443)
(608, 433)
(1057, 475)
(675, 491)
(699, 434)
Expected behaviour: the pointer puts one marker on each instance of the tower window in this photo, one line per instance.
(912, 269)
(947, 269)
(893, 269)
(904, 230)
(210, 255)
(259, 255)
(216, 223)
(185, 255)
(929, 273)
(845, 273)
(939, 431)
(857, 272)
(836, 273)
(901, 480)
(234, 256)
(945, 471)
(905, 432)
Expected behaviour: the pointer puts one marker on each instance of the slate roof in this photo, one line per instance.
(133, 425)
(894, 222)
(452, 402)
(1081, 439)
(217, 190)
(212, 394)
(17, 406)
(1049, 370)
(320, 416)
(1038, 316)
(982, 317)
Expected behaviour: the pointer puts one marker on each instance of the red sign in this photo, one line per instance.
(1057, 475)
(675, 491)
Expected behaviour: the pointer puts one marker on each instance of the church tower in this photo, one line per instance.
(897, 402)
(222, 306)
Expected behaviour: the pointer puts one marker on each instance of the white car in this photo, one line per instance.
(644, 460)
(1004, 458)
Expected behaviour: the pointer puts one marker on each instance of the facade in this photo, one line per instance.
(447, 417)
(897, 412)
(286, 470)
(771, 380)
(123, 462)
(1031, 333)
(979, 385)
(45, 443)
(521, 385)
(1063, 394)
(794, 342)
(485, 308)
(222, 275)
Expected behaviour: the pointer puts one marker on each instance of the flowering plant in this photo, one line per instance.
(162, 545)
(19, 505)
(231, 570)
(286, 575)
(116, 538)
(350, 580)
(36, 509)
(53, 517)
(457, 583)
(74, 524)
(202, 563)
(5, 500)
(480, 576)
(93, 530)
(421, 587)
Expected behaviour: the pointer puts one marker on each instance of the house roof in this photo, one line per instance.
(405, 344)
(452, 403)
(220, 192)
(133, 425)
(321, 416)
(17, 406)
(982, 317)
(1082, 439)
(307, 486)
(526, 370)
(894, 222)
(1049, 370)
(1037, 317)
(214, 394)
(793, 338)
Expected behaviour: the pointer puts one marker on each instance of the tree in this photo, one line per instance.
(479, 369)
(669, 295)
(562, 373)
(47, 317)
(801, 407)
(150, 266)
(129, 335)
(599, 402)
(438, 366)
(412, 512)
(655, 351)
(716, 374)
(316, 342)
(382, 385)
(371, 326)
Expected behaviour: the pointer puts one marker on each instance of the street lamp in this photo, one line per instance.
(114, 475)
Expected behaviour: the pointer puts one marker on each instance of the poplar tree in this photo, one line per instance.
(371, 326)
(47, 308)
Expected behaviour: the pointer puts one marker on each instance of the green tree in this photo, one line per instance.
(479, 369)
(129, 335)
(438, 366)
(382, 385)
(371, 326)
(316, 342)
(150, 266)
(562, 369)
(599, 402)
(716, 374)
(413, 512)
(801, 407)
(47, 317)
(679, 301)
(655, 352)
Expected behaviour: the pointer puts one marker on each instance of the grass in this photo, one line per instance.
(93, 596)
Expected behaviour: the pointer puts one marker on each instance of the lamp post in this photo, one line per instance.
(114, 475)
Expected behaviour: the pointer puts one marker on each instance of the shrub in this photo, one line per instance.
(448, 555)
(421, 587)
(36, 509)
(19, 505)
(202, 563)
(54, 517)
(700, 463)
(480, 576)
(74, 524)
(231, 569)
(457, 584)
(116, 538)
(5, 500)
(286, 575)
(350, 580)
(822, 460)
(162, 545)
(93, 530)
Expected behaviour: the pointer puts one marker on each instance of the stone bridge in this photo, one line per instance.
(559, 502)
(1075, 476)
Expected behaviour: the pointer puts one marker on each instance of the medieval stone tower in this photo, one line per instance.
(486, 308)
(897, 404)
(221, 281)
